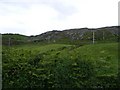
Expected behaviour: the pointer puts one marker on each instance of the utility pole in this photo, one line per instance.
(93, 37)
(103, 35)
(9, 42)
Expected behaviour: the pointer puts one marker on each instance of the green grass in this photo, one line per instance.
(104, 55)
(58, 63)
(41, 48)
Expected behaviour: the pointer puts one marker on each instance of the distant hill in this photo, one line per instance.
(71, 36)
(13, 39)
(78, 35)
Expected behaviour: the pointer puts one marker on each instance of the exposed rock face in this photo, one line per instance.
(77, 34)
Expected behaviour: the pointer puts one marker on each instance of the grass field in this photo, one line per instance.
(60, 66)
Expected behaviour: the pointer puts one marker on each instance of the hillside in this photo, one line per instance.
(61, 59)
(61, 66)
(78, 35)
(13, 39)
(70, 36)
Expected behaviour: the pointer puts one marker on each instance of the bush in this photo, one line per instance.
(25, 69)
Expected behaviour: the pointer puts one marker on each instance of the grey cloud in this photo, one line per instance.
(65, 9)
(7, 8)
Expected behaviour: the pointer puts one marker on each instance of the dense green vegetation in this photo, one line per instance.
(13, 39)
(60, 66)
(62, 59)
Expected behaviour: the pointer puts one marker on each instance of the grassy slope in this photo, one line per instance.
(105, 56)
(41, 48)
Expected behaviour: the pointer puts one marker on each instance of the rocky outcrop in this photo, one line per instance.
(77, 34)
(72, 36)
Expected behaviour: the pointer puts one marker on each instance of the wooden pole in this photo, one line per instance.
(103, 35)
(93, 37)
(9, 42)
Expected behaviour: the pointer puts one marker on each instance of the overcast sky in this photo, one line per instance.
(33, 17)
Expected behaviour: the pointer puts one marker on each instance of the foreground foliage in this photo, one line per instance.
(60, 66)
